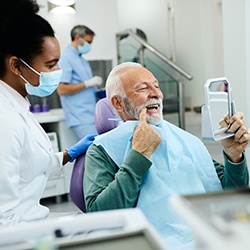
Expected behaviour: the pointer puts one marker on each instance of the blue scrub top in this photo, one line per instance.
(79, 107)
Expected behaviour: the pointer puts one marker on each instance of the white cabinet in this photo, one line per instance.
(53, 122)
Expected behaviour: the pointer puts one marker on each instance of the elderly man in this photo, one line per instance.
(146, 159)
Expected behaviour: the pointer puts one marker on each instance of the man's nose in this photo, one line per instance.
(155, 92)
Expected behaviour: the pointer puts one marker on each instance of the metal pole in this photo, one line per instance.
(118, 48)
(181, 90)
(141, 54)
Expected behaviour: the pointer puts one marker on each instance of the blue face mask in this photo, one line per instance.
(48, 82)
(85, 48)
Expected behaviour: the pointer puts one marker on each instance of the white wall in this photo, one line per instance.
(100, 16)
(236, 21)
(192, 34)
(237, 51)
(199, 41)
(151, 16)
(194, 37)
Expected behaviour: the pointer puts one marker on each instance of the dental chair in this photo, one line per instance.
(105, 120)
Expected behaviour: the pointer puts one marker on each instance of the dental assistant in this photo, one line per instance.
(28, 65)
(77, 89)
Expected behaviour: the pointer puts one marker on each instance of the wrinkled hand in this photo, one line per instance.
(234, 146)
(145, 137)
(80, 147)
(94, 81)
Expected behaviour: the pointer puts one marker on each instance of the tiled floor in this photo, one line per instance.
(63, 206)
(193, 125)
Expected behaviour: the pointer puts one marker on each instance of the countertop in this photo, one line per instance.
(54, 115)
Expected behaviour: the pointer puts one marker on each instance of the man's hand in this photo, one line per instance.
(145, 137)
(234, 146)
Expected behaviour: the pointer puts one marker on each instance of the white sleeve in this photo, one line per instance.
(57, 166)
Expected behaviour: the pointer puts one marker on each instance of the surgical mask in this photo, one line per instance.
(48, 82)
(85, 48)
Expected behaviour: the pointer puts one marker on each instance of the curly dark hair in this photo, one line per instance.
(22, 30)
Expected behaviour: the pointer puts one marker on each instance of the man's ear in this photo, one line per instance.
(77, 37)
(117, 103)
(14, 65)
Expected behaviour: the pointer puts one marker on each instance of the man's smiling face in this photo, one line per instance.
(142, 90)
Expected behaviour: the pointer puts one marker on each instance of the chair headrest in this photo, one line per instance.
(104, 114)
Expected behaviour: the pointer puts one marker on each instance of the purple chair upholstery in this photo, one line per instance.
(104, 117)
(76, 183)
(103, 113)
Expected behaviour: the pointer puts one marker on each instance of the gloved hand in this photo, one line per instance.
(94, 81)
(80, 147)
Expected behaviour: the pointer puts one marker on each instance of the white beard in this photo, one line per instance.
(134, 112)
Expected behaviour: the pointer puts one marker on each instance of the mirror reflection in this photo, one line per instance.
(219, 86)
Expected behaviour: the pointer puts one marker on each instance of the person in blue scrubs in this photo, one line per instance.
(78, 86)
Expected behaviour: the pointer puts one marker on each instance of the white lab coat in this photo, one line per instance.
(26, 160)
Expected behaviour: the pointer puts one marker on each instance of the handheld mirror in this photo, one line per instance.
(218, 103)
